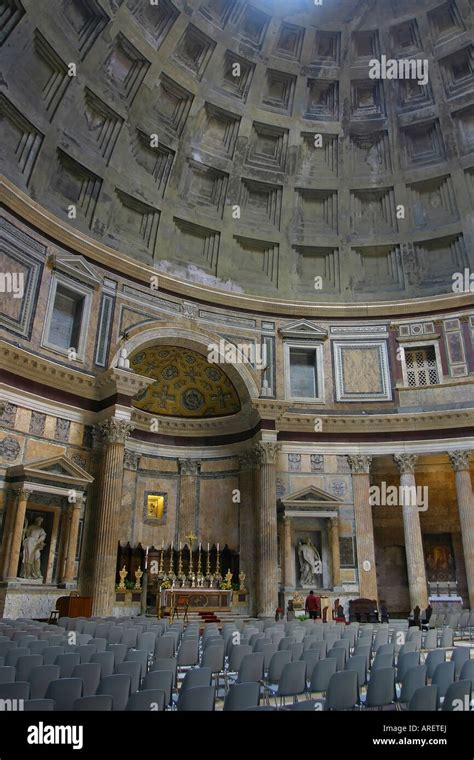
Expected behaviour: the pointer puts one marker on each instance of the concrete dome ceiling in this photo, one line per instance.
(244, 145)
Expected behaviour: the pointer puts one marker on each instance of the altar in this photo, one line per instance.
(194, 599)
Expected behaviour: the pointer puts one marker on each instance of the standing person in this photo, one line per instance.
(290, 612)
(311, 605)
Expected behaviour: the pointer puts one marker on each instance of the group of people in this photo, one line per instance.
(312, 608)
(419, 617)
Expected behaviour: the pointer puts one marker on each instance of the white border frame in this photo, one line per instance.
(313, 346)
(341, 395)
(74, 287)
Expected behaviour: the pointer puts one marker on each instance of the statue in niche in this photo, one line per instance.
(34, 539)
(310, 562)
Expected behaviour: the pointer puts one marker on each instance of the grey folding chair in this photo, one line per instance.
(199, 699)
(141, 656)
(213, 658)
(458, 697)
(90, 673)
(251, 668)
(40, 678)
(381, 688)
(343, 691)
(322, 673)
(405, 662)
(147, 700)
(95, 703)
(17, 690)
(67, 663)
(133, 669)
(7, 674)
(339, 655)
(188, 653)
(159, 680)
(443, 676)
(292, 682)
(459, 656)
(65, 691)
(424, 700)
(433, 659)
(106, 662)
(358, 663)
(310, 657)
(165, 646)
(413, 678)
(118, 686)
(242, 696)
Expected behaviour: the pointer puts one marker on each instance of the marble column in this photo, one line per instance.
(74, 513)
(16, 528)
(417, 585)
(267, 552)
(336, 552)
(360, 466)
(189, 470)
(114, 433)
(288, 554)
(460, 462)
(8, 521)
(247, 522)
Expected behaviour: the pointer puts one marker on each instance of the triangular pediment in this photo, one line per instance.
(78, 267)
(301, 328)
(59, 468)
(310, 496)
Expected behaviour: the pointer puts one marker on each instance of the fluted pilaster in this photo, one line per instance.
(15, 527)
(248, 519)
(267, 529)
(460, 461)
(417, 585)
(114, 434)
(189, 470)
(360, 467)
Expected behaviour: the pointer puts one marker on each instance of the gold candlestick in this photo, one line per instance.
(171, 570)
(161, 569)
(218, 563)
(199, 561)
(208, 565)
(180, 562)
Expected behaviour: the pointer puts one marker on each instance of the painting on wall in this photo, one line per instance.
(156, 505)
(439, 558)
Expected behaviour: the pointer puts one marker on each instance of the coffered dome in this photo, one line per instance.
(245, 144)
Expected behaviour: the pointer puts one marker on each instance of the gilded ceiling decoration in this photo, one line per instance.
(186, 384)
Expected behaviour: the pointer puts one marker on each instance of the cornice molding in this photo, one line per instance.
(32, 212)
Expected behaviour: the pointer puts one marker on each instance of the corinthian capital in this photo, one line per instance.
(267, 451)
(406, 463)
(459, 460)
(360, 464)
(114, 430)
(189, 466)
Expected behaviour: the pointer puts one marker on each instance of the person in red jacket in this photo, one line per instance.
(312, 605)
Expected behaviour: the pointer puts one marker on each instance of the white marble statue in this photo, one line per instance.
(310, 562)
(34, 538)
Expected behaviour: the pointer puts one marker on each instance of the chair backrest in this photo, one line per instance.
(162, 680)
(147, 641)
(458, 696)
(7, 674)
(16, 690)
(296, 650)
(433, 659)
(40, 678)
(95, 703)
(237, 654)
(37, 646)
(200, 698)
(414, 678)
(119, 652)
(322, 648)
(446, 638)
(408, 646)
(459, 656)
(196, 677)
(431, 639)
(106, 661)
(140, 656)
(405, 662)
(467, 672)
(340, 657)
(293, 679)
(25, 665)
(165, 646)
(322, 672)
(381, 688)
(90, 673)
(386, 649)
(358, 663)
(443, 676)
(13, 655)
(147, 700)
(188, 653)
(310, 657)
(85, 651)
(382, 661)
(242, 696)
(213, 658)
(251, 668)
(343, 691)
(277, 663)
(67, 662)
(65, 691)
(118, 686)
(133, 669)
